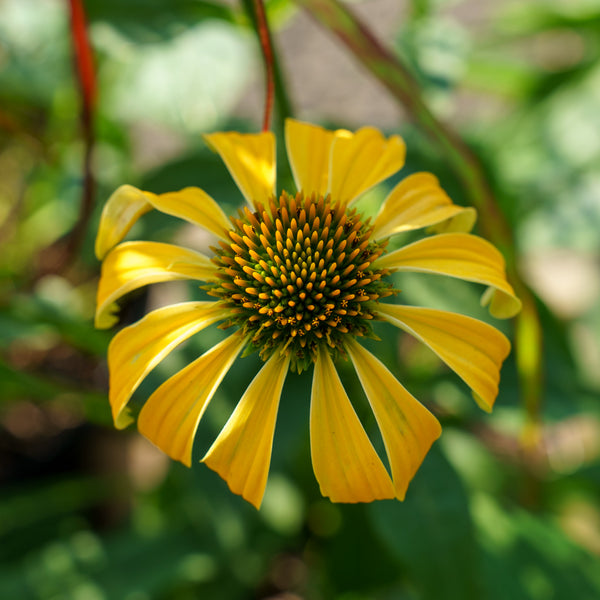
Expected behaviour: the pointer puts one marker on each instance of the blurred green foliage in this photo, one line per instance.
(87, 513)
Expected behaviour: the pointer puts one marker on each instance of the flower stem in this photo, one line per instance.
(59, 255)
(395, 76)
(264, 37)
(86, 79)
(84, 64)
(275, 83)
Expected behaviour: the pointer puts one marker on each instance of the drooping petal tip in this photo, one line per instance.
(195, 206)
(137, 349)
(132, 265)
(473, 349)
(124, 207)
(463, 256)
(127, 204)
(345, 463)
(241, 454)
(408, 429)
(503, 303)
(171, 415)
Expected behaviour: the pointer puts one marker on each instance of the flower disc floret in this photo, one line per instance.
(297, 274)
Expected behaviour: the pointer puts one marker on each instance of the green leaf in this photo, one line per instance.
(152, 20)
(431, 533)
(527, 557)
(355, 560)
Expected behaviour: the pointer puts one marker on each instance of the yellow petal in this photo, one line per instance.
(408, 429)
(472, 349)
(170, 417)
(361, 160)
(418, 201)
(250, 158)
(132, 265)
(125, 206)
(137, 349)
(241, 454)
(195, 206)
(345, 463)
(463, 256)
(308, 149)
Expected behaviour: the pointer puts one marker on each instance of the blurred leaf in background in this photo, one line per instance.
(89, 513)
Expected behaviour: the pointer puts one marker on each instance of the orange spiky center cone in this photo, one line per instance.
(297, 274)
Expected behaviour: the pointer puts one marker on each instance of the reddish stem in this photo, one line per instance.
(267, 49)
(59, 255)
(84, 63)
(86, 78)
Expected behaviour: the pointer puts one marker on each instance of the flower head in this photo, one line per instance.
(300, 278)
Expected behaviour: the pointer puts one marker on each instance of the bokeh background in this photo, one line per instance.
(88, 513)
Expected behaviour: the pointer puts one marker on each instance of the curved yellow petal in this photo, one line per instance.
(195, 206)
(419, 201)
(463, 256)
(132, 265)
(345, 463)
(124, 207)
(137, 349)
(241, 454)
(308, 149)
(361, 160)
(171, 415)
(250, 158)
(408, 429)
(473, 349)
(127, 204)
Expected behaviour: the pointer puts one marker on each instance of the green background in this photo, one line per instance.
(89, 513)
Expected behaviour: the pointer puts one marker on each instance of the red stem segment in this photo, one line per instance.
(84, 63)
(86, 78)
(267, 49)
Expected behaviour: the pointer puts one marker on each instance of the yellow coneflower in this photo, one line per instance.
(300, 277)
